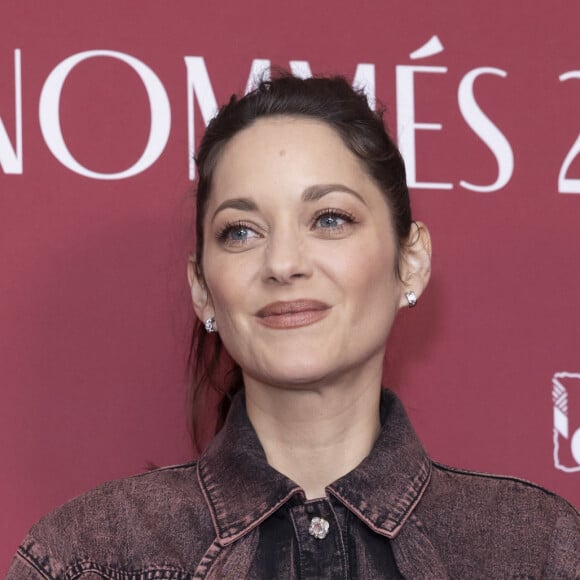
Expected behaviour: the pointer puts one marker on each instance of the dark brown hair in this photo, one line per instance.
(214, 376)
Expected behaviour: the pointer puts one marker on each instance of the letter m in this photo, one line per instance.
(199, 86)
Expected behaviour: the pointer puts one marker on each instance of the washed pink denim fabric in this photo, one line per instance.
(230, 515)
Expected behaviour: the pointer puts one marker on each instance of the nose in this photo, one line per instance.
(286, 257)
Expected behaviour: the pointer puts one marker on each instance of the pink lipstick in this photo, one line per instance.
(293, 314)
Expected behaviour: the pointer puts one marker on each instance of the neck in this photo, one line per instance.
(315, 435)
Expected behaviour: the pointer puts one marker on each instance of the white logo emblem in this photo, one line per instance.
(566, 400)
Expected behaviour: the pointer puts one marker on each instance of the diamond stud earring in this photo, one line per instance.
(210, 325)
(411, 298)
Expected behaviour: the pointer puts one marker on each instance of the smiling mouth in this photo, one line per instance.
(293, 314)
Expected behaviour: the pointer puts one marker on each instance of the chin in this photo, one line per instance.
(295, 372)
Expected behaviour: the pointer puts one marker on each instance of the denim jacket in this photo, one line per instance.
(231, 515)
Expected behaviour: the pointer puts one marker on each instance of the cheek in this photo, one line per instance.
(378, 290)
(223, 295)
(368, 272)
(228, 278)
(227, 297)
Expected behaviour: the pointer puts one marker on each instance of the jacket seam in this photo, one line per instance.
(31, 561)
(235, 530)
(208, 501)
(83, 566)
(404, 515)
(486, 475)
(179, 466)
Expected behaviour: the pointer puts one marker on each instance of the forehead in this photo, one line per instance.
(279, 129)
(286, 152)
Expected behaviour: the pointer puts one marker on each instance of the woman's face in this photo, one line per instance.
(299, 255)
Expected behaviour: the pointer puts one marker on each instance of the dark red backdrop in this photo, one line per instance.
(94, 308)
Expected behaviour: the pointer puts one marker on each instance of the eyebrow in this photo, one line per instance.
(242, 203)
(315, 192)
(311, 193)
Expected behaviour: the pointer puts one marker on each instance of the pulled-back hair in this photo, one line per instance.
(215, 378)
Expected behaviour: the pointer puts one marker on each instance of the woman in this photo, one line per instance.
(306, 250)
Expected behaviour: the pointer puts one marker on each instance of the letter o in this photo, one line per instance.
(50, 117)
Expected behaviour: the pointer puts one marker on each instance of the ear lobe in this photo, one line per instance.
(415, 266)
(202, 304)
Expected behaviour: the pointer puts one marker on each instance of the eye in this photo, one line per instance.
(236, 234)
(331, 219)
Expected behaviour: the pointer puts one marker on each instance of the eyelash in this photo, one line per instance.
(335, 214)
(228, 228)
(222, 234)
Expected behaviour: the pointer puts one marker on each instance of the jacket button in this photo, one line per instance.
(318, 528)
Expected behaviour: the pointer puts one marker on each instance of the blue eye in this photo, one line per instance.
(236, 234)
(333, 220)
(330, 221)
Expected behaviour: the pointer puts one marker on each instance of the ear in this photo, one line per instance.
(202, 304)
(415, 262)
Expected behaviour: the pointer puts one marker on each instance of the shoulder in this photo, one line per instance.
(113, 504)
(120, 521)
(502, 519)
(508, 494)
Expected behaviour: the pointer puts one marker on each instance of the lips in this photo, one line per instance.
(293, 314)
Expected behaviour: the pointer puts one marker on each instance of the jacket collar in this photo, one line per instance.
(242, 490)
